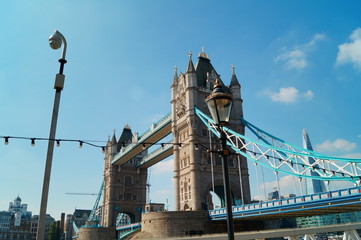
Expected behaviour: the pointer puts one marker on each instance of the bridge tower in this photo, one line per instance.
(124, 191)
(192, 163)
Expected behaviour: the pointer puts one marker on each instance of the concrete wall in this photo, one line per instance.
(96, 233)
(158, 225)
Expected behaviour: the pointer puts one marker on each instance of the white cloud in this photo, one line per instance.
(315, 39)
(359, 135)
(163, 167)
(337, 145)
(350, 52)
(296, 57)
(288, 95)
(308, 95)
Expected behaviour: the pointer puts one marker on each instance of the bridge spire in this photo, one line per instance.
(114, 139)
(175, 78)
(234, 80)
(190, 68)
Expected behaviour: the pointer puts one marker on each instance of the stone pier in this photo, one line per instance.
(97, 233)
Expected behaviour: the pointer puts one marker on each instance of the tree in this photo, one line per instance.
(54, 231)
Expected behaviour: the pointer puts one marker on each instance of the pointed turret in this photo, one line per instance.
(234, 86)
(234, 80)
(175, 78)
(190, 67)
(114, 144)
(114, 139)
(125, 138)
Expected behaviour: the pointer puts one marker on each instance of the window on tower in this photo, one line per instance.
(128, 180)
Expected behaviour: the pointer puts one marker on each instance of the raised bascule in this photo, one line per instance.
(198, 172)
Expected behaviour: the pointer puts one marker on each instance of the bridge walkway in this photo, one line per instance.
(349, 232)
(338, 201)
(157, 132)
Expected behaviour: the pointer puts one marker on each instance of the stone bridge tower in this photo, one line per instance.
(124, 191)
(192, 163)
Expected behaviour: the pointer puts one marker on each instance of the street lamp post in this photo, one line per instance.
(220, 104)
(56, 40)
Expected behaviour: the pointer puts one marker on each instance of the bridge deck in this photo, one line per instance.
(156, 156)
(278, 233)
(158, 131)
(344, 200)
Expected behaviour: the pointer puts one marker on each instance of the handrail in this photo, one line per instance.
(342, 193)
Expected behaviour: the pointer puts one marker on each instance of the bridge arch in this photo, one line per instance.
(124, 218)
(218, 191)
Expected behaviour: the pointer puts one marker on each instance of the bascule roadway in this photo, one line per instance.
(338, 201)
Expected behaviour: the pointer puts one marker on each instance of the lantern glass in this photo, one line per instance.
(220, 108)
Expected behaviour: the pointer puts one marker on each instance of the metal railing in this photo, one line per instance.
(238, 211)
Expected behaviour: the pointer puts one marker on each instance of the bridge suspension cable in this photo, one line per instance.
(282, 157)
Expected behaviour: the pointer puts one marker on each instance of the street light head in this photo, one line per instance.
(55, 40)
(219, 104)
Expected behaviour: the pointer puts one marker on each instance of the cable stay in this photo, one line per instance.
(282, 157)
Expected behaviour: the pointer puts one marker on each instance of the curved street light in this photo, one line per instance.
(220, 104)
(56, 40)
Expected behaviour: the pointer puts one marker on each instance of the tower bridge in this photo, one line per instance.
(198, 172)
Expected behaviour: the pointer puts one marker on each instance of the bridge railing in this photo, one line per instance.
(129, 226)
(156, 125)
(291, 201)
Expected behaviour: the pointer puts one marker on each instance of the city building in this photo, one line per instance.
(5, 218)
(154, 207)
(18, 223)
(312, 185)
(68, 229)
(34, 225)
(77, 219)
(317, 186)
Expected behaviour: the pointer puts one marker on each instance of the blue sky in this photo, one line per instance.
(299, 64)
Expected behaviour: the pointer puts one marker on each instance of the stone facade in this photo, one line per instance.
(192, 164)
(124, 186)
(96, 233)
(157, 225)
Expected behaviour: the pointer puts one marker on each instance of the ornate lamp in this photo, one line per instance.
(219, 104)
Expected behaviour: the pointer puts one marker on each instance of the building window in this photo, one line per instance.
(128, 196)
(128, 180)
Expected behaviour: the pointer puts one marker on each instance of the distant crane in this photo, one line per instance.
(92, 194)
